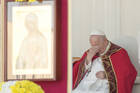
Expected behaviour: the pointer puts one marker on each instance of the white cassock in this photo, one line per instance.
(91, 84)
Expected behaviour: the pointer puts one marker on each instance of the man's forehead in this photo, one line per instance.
(95, 36)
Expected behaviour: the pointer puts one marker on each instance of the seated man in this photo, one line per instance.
(104, 68)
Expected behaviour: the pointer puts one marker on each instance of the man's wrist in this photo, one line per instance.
(87, 65)
(87, 61)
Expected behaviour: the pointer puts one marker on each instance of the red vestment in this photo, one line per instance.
(120, 72)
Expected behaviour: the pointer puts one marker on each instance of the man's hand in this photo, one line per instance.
(101, 75)
(92, 51)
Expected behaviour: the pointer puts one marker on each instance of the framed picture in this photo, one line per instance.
(30, 40)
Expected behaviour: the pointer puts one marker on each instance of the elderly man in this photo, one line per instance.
(104, 68)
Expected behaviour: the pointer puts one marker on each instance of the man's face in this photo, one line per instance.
(94, 40)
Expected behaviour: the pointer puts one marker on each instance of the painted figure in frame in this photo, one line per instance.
(33, 50)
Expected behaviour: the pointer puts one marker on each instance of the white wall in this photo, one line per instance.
(118, 18)
(81, 24)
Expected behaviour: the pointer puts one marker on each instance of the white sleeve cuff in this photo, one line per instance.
(87, 65)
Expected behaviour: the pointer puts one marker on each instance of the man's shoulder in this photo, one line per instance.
(115, 46)
(116, 49)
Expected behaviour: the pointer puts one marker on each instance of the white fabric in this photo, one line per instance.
(97, 32)
(88, 65)
(90, 84)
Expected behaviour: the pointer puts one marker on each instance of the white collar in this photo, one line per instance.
(107, 48)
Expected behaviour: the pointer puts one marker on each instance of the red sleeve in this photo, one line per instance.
(76, 67)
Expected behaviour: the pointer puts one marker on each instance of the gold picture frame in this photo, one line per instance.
(69, 82)
(14, 48)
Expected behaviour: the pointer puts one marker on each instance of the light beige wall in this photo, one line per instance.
(81, 23)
